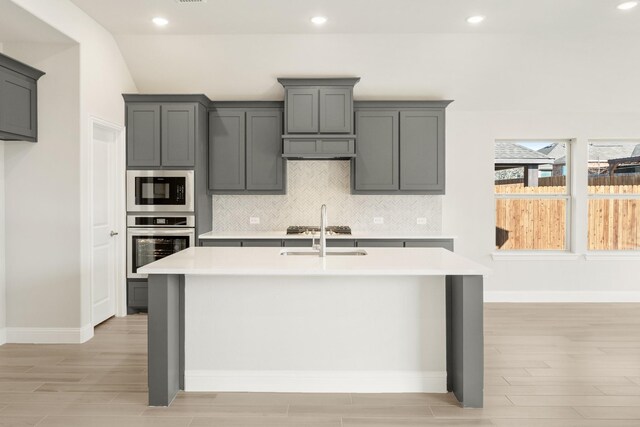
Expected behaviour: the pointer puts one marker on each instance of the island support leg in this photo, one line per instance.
(165, 338)
(465, 341)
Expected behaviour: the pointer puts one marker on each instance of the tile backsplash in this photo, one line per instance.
(312, 183)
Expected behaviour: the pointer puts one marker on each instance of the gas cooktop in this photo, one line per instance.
(309, 229)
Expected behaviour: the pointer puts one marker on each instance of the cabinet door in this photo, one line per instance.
(302, 110)
(178, 135)
(138, 294)
(143, 135)
(336, 110)
(227, 150)
(18, 104)
(422, 150)
(377, 161)
(264, 150)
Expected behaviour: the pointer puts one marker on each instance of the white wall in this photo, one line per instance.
(42, 198)
(504, 86)
(48, 212)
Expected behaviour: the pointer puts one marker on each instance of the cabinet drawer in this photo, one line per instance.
(263, 243)
(220, 243)
(340, 243)
(297, 243)
(380, 243)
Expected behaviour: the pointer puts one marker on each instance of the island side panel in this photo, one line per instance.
(164, 338)
(465, 345)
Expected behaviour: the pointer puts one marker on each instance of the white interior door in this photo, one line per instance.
(104, 228)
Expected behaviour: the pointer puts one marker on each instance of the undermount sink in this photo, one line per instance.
(356, 252)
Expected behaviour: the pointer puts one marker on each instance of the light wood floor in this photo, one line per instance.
(559, 365)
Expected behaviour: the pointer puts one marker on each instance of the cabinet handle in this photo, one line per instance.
(113, 233)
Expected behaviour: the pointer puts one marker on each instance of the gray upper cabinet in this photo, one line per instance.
(245, 149)
(336, 110)
(18, 100)
(178, 134)
(400, 147)
(422, 150)
(318, 105)
(161, 134)
(143, 135)
(302, 111)
(227, 150)
(264, 162)
(376, 163)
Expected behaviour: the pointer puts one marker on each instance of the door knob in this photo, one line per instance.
(113, 233)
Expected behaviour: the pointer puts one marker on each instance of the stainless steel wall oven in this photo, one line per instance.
(150, 238)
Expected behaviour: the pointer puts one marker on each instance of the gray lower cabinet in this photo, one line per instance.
(137, 295)
(220, 243)
(261, 243)
(370, 243)
(332, 243)
(18, 100)
(161, 134)
(245, 151)
(400, 148)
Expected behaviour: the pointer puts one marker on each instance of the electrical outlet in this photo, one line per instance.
(421, 221)
(378, 220)
(254, 220)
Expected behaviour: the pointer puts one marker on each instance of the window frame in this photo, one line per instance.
(567, 196)
(608, 253)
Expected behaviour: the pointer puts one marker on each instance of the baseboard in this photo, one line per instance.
(3, 336)
(317, 381)
(560, 296)
(49, 335)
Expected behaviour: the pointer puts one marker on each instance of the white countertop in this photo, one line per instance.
(269, 262)
(355, 236)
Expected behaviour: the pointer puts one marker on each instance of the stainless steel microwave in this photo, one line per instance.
(160, 190)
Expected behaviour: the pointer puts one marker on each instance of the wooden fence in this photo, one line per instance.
(614, 224)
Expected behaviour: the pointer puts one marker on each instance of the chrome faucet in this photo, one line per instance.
(323, 231)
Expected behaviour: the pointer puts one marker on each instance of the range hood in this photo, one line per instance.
(318, 118)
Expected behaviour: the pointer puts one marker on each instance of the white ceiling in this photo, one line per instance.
(363, 16)
(18, 25)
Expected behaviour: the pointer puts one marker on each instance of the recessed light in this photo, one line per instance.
(627, 5)
(159, 21)
(319, 20)
(475, 19)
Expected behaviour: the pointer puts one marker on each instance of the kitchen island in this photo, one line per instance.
(258, 319)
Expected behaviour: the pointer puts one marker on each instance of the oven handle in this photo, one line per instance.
(160, 232)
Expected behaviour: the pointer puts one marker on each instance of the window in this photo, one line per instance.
(532, 195)
(614, 195)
